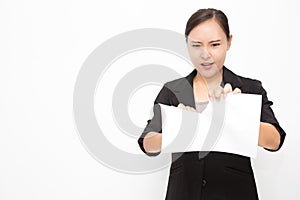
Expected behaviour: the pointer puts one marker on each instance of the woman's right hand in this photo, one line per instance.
(186, 107)
(152, 142)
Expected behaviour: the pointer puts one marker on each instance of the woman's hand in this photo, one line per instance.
(214, 94)
(269, 137)
(186, 107)
(152, 142)
(217, 92)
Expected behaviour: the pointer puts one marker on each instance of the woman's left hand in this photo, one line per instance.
(228, 89)
(217, 92)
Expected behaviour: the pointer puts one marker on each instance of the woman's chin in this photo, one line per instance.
(208, 73)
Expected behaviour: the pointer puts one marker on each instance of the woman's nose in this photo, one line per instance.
(204, 54)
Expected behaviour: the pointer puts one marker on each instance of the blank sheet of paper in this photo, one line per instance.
(230, 125)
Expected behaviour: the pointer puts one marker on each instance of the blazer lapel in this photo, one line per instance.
(184, 90)
(232, 78)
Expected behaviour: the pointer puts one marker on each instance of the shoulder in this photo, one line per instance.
(182, 83)
(175, 90)
(176, 84)
(167, 93)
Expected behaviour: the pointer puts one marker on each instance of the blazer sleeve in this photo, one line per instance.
(165, 96)
(267, 115)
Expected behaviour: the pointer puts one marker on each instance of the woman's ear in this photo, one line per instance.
(229, 42)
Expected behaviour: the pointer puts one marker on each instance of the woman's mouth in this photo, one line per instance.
(207, 65)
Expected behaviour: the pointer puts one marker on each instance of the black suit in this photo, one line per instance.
(216, 176)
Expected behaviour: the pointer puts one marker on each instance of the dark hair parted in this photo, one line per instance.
(203, 15)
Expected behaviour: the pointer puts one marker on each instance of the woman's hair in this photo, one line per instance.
(203, 15)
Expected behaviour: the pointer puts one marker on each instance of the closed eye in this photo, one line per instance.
(195, 45)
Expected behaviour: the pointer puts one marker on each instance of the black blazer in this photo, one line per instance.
(217, 175)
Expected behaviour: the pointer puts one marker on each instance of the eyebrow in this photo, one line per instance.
(213, 41)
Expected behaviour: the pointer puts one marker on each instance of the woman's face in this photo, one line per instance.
(207, 46)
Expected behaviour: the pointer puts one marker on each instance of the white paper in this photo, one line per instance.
(230, 125)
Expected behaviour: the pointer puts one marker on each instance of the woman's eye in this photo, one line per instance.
(215, 44)
(195, 45)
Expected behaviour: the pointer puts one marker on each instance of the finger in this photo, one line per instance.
(217, 93)
(191, 109)
(210, 96)
(181, 106)
(227, 88)
(237, 91)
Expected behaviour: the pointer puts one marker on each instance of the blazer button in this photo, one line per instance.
(204, 182)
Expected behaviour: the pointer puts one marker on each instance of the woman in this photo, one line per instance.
(216, 175)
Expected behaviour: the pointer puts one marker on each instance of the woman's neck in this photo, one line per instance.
(202, 86)
(210, 82)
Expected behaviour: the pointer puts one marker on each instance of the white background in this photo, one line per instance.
(42, 47)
